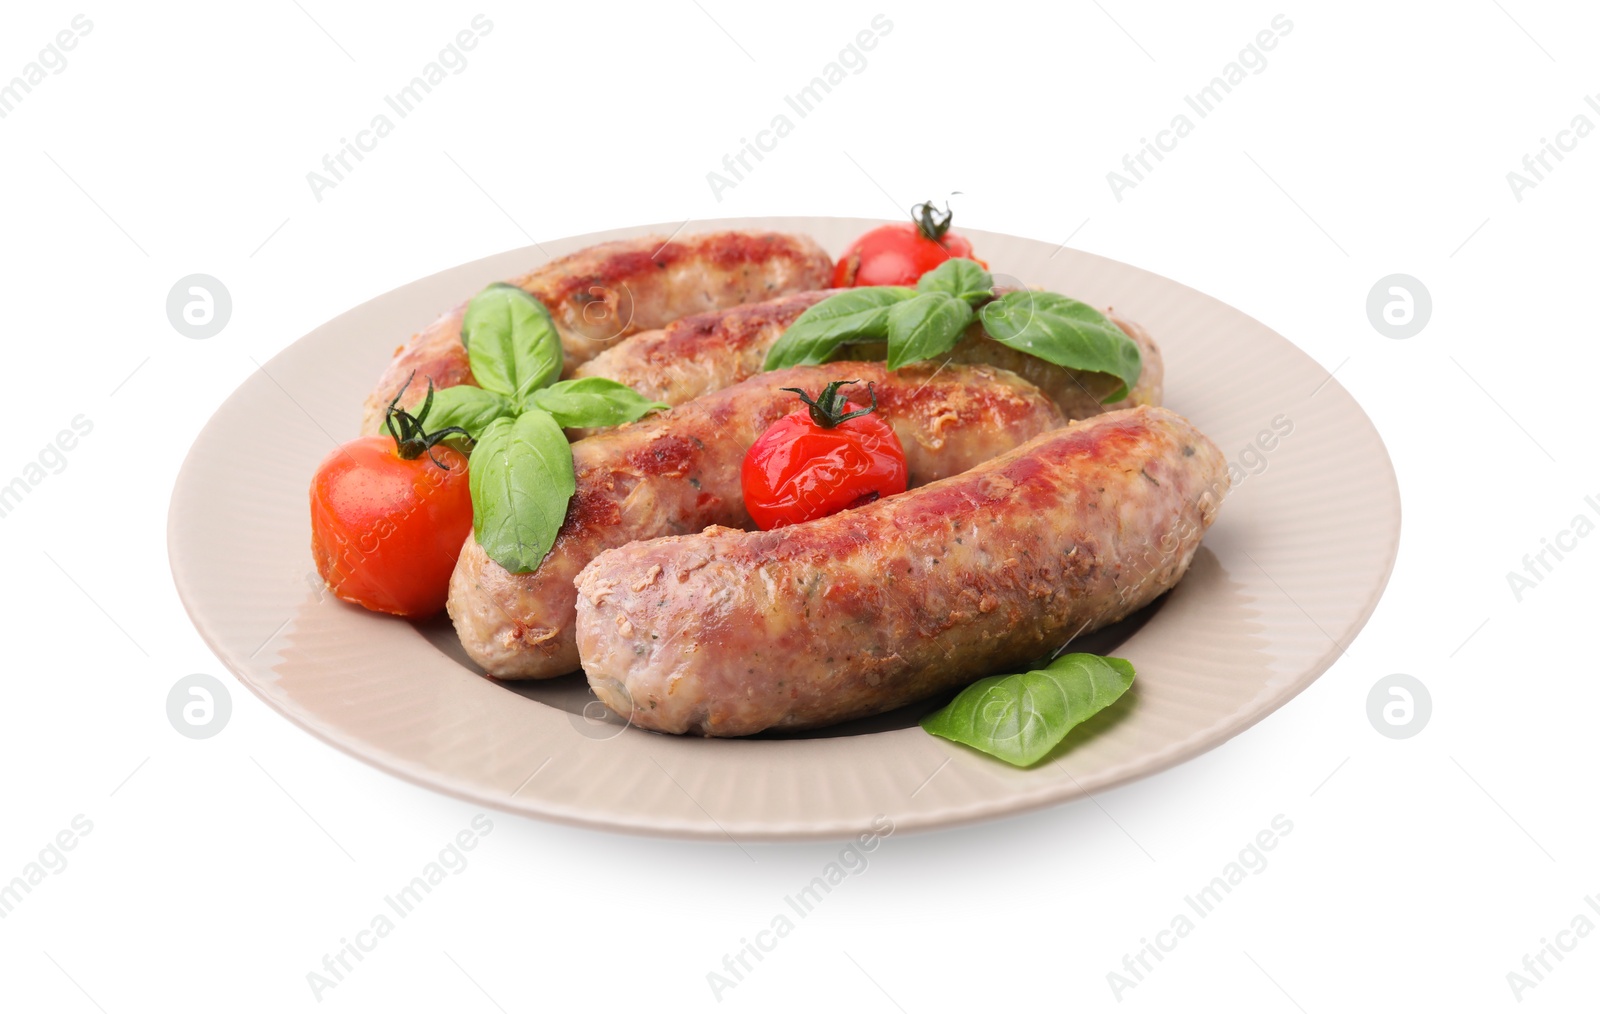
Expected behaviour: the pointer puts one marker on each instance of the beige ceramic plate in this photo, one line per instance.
(1290, 572)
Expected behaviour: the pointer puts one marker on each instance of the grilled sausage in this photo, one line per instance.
(679, 472)
(707, 353)
(727, 633)
(604, 293)
(703, 353)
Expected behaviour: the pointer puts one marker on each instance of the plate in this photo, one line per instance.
(1289, 573)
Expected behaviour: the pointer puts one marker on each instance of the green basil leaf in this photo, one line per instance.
(1022, 717)
(962, 278)
(927, 325)
(593, 401)
(512, 344)
(1065, 332)
(520, 476)
(855, 314)
(471, 408)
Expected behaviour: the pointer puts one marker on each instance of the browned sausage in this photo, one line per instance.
(679, 472)
(604, 293)
(706, 353)
(727, 633)
(703, 353)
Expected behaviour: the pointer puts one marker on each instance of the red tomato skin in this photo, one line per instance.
(386, 531)
(798, 471)
(896, 254)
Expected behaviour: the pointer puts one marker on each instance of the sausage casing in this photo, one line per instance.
(703, 354)
(602, 294)
(728, 633)
(678, 472)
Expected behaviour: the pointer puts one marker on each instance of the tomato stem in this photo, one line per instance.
(827, 411)
(930, 222)
(412, 440)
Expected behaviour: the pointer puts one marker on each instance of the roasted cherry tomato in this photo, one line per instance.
(831, 455)
(389, 515)
(899, 254)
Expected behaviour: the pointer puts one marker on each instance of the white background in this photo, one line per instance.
(1377, 140)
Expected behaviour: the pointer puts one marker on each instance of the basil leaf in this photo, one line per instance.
(471, 408)
(926, 325)
(962, 278)
(853, 314)
(593, 401)
(1021, 718)
(520, 476)
(1065, 332)
(512, 344)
